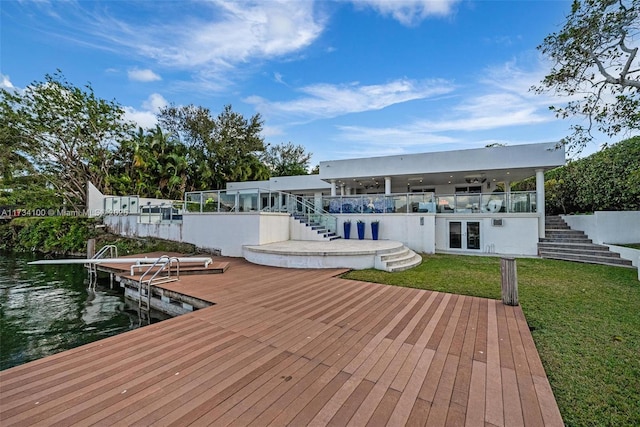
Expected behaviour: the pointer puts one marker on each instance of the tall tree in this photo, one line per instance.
(72, 133)
(596, 64)
(220, 149)
(287, 159)
(152, 163)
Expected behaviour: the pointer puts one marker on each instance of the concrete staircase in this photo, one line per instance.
(398, 260)
(563, 243)
(317, 229)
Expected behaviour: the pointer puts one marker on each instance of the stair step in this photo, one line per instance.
(414, 261)
(563, 243)
(616, 262)
(578, 252)
(401, 260)
(395, 255)
(565, 240)
(572, 247)
(560, 233)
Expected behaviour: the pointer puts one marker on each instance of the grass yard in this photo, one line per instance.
(631, 245)
(585, 321)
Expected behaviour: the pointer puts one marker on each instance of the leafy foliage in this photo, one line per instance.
(606, 180)
(596, 64)
(60, 235)
(151, 164)
(68, 235)
(29, 192)
(67, 132)
(287, 159)
(220, 149)
(62, 136)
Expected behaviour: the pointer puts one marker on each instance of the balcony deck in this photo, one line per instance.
(297, 347)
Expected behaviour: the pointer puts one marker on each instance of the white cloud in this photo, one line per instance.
(326, 100)
(145, 75)
(5, 83)
(501, 99)
(142, 118)
(271, 131)
(218, 35)
(409, 12)
(155, 102)
(211, 40)
(146, 117)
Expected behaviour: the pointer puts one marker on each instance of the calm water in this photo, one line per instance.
(48, 309)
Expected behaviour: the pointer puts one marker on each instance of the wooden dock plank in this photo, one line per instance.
(296, 347)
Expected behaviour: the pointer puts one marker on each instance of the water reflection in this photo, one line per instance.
(48, 309)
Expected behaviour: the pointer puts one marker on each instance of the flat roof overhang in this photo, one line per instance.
(494, 164)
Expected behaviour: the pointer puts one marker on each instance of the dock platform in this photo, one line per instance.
(296, 347)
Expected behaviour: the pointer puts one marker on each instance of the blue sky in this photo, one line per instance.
(342, 78)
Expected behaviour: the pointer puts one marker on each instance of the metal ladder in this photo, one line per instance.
(107, 251)
(144, 286)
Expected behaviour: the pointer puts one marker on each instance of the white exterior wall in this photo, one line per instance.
(124, 225)
(229, 232)
(128, 225)
(517, 236)
(608, 226)
(95, 201)
(398, 227)
(274, 227)
(631, 254)
(224, 232)
(424, 233)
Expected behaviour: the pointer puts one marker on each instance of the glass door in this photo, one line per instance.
(455, 235)
(473, 235)
(464, 235)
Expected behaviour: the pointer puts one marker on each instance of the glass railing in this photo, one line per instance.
(164, 212)
(514, 202)
(259, 200)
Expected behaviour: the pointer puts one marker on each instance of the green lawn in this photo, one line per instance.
(630, 245)
(585, 320)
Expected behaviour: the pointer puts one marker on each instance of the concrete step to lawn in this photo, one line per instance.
(398, 260)
(563, 243)
(589, 259)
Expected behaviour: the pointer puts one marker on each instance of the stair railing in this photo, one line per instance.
(160, 266)
(107, 251)
(301, 207)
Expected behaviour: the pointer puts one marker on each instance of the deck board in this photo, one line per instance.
(296, 347)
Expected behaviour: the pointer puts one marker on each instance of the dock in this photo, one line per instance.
(296, 347)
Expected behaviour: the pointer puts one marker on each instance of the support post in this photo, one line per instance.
(91, 248)
(387, 185)
(333, 188)
(540, 202)
(509, 281)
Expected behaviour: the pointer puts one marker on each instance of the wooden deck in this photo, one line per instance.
(297, 347)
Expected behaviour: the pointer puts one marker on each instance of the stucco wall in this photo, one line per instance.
(229, 232)
(128, 225)
(425, 233)
(274, 227)
(517, 236)
(224, 232)
(404, 228)
(95, 201)
(608, 226)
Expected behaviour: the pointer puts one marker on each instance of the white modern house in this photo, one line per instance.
(439, 201)
(430, 202)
